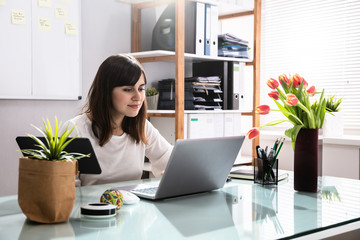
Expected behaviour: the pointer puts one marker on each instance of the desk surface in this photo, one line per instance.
(241, 210)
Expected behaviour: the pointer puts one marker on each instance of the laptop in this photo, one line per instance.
(195, 165)
(87, 165)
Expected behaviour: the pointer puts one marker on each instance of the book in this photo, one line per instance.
(247, 172)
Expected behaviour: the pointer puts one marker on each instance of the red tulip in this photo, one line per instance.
(253, 133)
(305, 85)
(262, 109)
(272, 83)
(274, 95)
(284, 78)
(296, 80)
(311, 91)
(291, 99)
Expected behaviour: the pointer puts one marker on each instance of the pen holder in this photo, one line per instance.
(265, 171)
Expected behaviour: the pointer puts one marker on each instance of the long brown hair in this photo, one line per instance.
(115, 71)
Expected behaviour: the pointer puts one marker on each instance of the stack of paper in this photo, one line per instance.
(247, 172)
(232, 46)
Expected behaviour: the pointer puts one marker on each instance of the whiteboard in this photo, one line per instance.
(40, 54)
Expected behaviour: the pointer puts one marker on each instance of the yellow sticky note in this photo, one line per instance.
(18, 17)
(44, 3)
(2, 2)
(70, 28)
(44, 24)
(60, 12)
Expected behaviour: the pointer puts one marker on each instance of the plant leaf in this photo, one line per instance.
(292, 134)
(56, 141)
(273, 123)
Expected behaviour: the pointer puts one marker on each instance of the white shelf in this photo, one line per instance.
(230, 6)
(211, 111)
(188, 56)
(194, 111)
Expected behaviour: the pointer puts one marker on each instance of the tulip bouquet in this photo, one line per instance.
(294, 103)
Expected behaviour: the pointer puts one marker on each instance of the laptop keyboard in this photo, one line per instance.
(149, 191)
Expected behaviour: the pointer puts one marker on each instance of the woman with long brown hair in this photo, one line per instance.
(115, 122)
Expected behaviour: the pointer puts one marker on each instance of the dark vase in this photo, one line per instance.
(306, 160)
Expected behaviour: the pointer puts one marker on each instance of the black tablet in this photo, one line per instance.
(87, 165)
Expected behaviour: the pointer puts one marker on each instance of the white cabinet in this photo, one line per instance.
(203, 125)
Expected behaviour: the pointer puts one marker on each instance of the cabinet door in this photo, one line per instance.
(205, 125)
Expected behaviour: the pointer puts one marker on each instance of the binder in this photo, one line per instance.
(244, 95)
(207, 29)
(200, 28)
(214, 31)
(234, 93)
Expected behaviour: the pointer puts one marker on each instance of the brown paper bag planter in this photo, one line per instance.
(46, 191)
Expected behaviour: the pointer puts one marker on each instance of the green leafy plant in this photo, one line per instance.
(151, 92)
(55, 142)
(332, 104)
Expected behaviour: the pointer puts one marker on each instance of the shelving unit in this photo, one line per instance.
(162, 55)
(179, 57)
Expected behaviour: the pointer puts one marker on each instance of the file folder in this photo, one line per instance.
(214, 31)
(207, 29)
(200, 28)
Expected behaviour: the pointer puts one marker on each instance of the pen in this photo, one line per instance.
(258, 151)
(274, 159)
(275, 144)
(277, 152)
(263, 154)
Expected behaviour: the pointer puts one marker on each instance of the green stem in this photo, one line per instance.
(310, 115)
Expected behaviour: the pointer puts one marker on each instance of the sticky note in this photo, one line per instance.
(70, 28)
(60, 12)
(18, 17)
(44, 24)
(44, 3)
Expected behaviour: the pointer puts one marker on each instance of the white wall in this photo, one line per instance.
(105, 30)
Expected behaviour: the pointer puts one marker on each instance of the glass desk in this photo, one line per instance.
(240, 210)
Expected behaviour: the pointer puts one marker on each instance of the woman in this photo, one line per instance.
(115, 122)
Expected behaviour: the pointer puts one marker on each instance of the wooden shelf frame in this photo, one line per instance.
(256, 72)
(179, 58)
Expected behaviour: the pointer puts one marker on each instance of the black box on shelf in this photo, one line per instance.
(167, 95)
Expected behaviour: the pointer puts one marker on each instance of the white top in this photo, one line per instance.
(121, 159)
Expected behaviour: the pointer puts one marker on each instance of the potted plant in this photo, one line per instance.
(334, 120)
(46, 190)
(152, 98)
(295, 100)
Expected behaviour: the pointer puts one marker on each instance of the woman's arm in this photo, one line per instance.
(158, 151)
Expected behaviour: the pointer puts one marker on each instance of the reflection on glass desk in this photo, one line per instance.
(240, 210)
